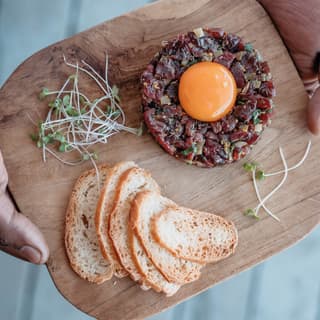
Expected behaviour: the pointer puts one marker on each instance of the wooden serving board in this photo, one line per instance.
(42, 189)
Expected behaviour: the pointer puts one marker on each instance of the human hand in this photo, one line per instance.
(18, 235)
(299, 25)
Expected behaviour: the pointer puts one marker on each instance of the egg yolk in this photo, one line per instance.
(207, 91)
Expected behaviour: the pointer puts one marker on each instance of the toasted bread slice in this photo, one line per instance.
(81, 240)
(145, 206)
(131, 182)
(147, 269)
(104, 208)
(194, 235)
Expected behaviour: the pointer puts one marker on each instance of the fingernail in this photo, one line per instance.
(31, 254)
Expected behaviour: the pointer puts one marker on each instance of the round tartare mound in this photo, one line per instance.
(207, 144)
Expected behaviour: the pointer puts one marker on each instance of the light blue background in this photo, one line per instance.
(285, 287)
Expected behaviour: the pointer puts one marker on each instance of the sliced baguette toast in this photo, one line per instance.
(194, 235)
(145, 206)
(104, 209)
(147, 269)
(81, 240)
(131, 182)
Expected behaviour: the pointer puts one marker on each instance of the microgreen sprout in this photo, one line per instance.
(259, 198)
(44, 92)
(251, 213)
(115, 92)
(76, 123)
(259, 174)
(34, 137)
(250, 166)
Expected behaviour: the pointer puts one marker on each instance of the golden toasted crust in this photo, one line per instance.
(134, 216)
(131, 234)
(212, 253)
(157, 250)
(155, 234)
(151, 275)
(102, 219)
(98, 219)
(70, 221)
(112, 214)
(134, 213)
(116, 232)
(144, 276)
(178, 276)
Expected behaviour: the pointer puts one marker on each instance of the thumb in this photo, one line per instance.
(313, 113)
(18, 235)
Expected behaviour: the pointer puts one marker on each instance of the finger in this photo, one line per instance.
(19, 236)
(298, 23)
(313, 113)
(3, 175)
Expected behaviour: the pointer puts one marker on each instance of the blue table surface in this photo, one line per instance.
(286, 286)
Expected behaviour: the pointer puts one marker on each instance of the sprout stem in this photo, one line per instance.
(74, 123)
(254, 169)
(296, 165)
(259, 197)
(261, 203)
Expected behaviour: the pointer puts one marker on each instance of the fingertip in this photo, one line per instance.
(313, 113)
(41, 245)
(26, 239)
(44, 255)
(30, 254)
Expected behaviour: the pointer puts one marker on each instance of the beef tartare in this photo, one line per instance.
(205, 143)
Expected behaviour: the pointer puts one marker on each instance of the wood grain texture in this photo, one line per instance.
(42, 189)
